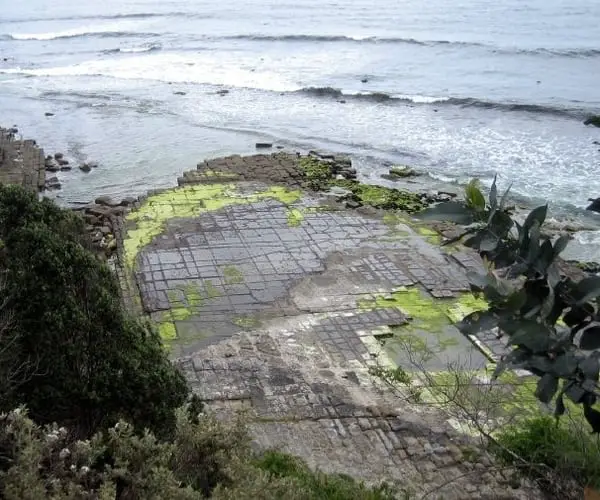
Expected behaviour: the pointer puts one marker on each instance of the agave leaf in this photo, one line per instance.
(494, 195)
(528, 333)
(586, 289)
(536, 215)
(560, 244)
(504, 198)
(477, 322)
(565, 365)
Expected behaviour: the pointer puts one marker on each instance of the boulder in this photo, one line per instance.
(264, 145)
(364, 80)
(47, 113)
(105, 230)
(52, 167)
(595, 205)
(65, 168)
(222, 92)
(593, 120)
(125, 202)
(402, 171)
(62, 162)
(85, 167)
(104, 200)
(179, 92)
(58, 156)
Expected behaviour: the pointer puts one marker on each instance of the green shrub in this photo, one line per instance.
(570, 453)
(90, 363)
(318, 485)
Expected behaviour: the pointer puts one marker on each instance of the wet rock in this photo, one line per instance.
(264, 145)
(85, 168)
(595, 205)
(47, 113)
(222, 92)
(13, 130)
(403, 171)
(62, 162)
(105, 230)
(126, 202)
(179, 92)
(65, 168)
(364, 80)
(58, 156)
(52, 167)
(342, 101)
(280, 147)
(104, 200)
(593, 120)
(352, 204)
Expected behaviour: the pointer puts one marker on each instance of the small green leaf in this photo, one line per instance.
(546, 388)
(474, 196)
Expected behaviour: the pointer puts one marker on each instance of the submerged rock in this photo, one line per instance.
(85, 168)
(264, 145)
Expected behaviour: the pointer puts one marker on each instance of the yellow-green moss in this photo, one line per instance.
(233, 276)
(218, 174)
(294, 217)
(383, 197)
(188, 201)
(167, 330)
(430, 235)
(246, 322)
(211, 290)
(317, 172)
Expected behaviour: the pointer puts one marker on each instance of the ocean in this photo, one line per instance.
(455, 89)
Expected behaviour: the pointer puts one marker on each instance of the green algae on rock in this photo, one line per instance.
(294, 217)
(382, 197)
(188, 201)
(317, 172)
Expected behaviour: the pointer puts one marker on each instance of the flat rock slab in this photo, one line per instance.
(279, 303)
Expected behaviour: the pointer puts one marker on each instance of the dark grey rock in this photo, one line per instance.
(65, 168)
(179, 92)
(58, 156)
(85, 168)
(595, 205)
(47, 113)
(104, 200)
(62, 162)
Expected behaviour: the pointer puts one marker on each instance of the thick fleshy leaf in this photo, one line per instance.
(559, 408)
(593, 417)
(565, 366)
(536, 215)
(476, 322)
(533, 248)
(479, 280)
(489, 242)
(546, 388)
(494, 194)
(561, 243)
(590, 339)
(590, 366)
(528, 333)
(451, 211)
(501, 223)
(587, 288)
(544, 258)
(578, 314)
(515, 358)
(548, 303)
(505, 197)
(575, 393)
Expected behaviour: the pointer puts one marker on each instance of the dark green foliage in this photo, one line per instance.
(572, 456)
(91, 363)
(319, 486)
(528, 297)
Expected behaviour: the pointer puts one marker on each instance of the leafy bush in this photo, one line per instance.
(552, 322)
(206, 458)
(572, 454)
(90, 363)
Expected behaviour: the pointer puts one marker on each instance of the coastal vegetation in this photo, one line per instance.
(92, 408)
